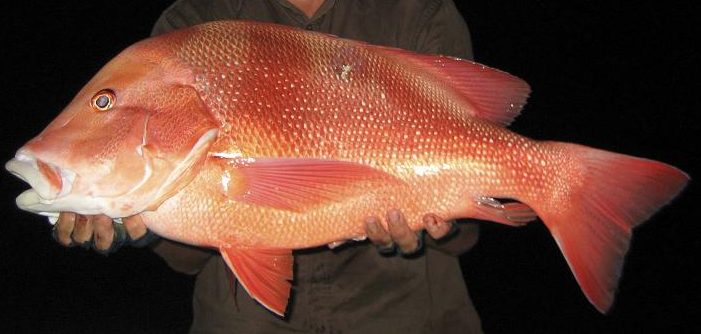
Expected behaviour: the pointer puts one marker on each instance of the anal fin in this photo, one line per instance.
(513, 213)
(266, 274)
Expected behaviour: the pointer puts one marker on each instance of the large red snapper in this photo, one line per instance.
(256, 139)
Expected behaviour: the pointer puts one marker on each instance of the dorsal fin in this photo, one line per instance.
(496, 96)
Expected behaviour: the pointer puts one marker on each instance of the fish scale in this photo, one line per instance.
(413, 124)
(288, 95)
(255, 139)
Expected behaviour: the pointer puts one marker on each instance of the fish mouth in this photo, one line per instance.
(48, 182)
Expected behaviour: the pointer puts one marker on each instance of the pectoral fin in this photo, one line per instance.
(264, 273)
(298, 184)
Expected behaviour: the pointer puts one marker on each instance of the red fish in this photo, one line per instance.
(256, 139)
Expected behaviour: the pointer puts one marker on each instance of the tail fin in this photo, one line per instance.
(615, 193)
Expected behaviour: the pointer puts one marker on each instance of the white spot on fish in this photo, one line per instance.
(225, 179)
(428, 170)
(227, 155)
(345, 71)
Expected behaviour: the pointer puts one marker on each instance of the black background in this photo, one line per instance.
(622, 77)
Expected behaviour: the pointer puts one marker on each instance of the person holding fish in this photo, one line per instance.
(257, 139)
(355, 287)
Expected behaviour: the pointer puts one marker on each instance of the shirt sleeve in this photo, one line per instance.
(186, 13)
(182, 258)
(179, 15)
(444, 31)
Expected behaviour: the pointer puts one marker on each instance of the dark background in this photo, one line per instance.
(622, 77)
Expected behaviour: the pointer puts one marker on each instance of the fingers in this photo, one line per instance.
(100, 232)
(83, 229)
(64, 228)
(397, 233)
(135, 227)
(400, 232)
(138, 233)
(103, 232)
(436, 227)
(378, 235)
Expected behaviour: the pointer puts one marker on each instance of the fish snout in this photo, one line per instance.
(48, 181)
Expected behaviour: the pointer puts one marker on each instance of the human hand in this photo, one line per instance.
(100, 232)
(399, 234)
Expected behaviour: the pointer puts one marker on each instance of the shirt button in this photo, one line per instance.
(309, 27)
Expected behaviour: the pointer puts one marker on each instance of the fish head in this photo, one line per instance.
(132, 137)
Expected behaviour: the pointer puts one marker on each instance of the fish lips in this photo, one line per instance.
(48, 182)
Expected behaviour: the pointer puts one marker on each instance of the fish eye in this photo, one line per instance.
(103, 100)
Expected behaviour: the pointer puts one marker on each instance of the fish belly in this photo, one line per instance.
(513, 167)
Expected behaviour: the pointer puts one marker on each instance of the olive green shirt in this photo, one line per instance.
(352, 289)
